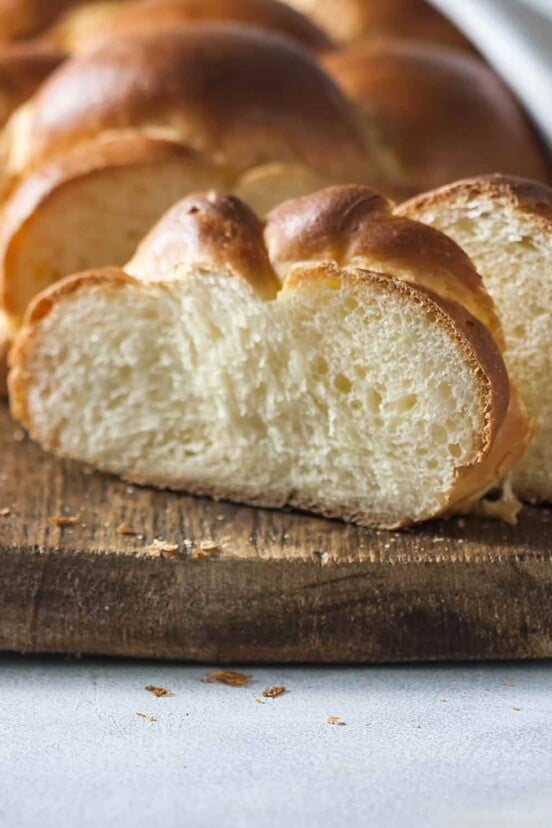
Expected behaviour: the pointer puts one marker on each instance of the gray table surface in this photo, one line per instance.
(455, 746)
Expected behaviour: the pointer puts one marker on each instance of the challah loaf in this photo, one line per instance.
(347, 20)
(505, 225)
(349, 393)
(442, 114)
(85, 24)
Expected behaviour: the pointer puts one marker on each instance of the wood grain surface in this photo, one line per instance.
(278, 586)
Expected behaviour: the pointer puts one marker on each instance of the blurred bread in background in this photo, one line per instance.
(342, 20)
(22, 19)
(441, 114)
(121, 132)
(245, 96)
(352, 20)
(86, 23)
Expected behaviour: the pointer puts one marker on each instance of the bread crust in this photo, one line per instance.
(475, 342)
(242, 95)
(76, 32)
(50, 181)
(206, 232)
(353, 225)
(443, 115)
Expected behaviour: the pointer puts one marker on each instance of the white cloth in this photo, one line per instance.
(516, 38)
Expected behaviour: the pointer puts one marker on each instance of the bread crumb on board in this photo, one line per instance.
(64, 520)
(335, 720)
(159, 549)
(205, 549)
(274, 692)
(229, 677)
(149, 719)
(157, 691)
(259, 701)
(5, 512)
(123, 529)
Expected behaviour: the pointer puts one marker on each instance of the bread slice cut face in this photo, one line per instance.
(505, 225)
(91, 208)
(345, 392)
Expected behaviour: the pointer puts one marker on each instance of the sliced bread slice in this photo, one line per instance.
(505, 226)
(91, 208)
(349, 393)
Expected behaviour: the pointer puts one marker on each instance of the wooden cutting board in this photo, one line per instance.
(278, 586)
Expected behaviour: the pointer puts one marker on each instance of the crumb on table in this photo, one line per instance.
(158, 691)
(274, 692)
(149, 719)
(229, 677)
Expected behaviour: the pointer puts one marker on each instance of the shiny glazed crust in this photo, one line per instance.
(77, 30)
(242, 95)
(442, 114)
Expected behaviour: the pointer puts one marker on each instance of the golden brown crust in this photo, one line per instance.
(149, 14)
(50, 180)
(348, 20)
(23, 67)
(442, 114)
(353, 225)
(238, 93)
(207, 232)
(325, 224)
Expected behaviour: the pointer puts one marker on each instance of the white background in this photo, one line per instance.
(73, 753)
